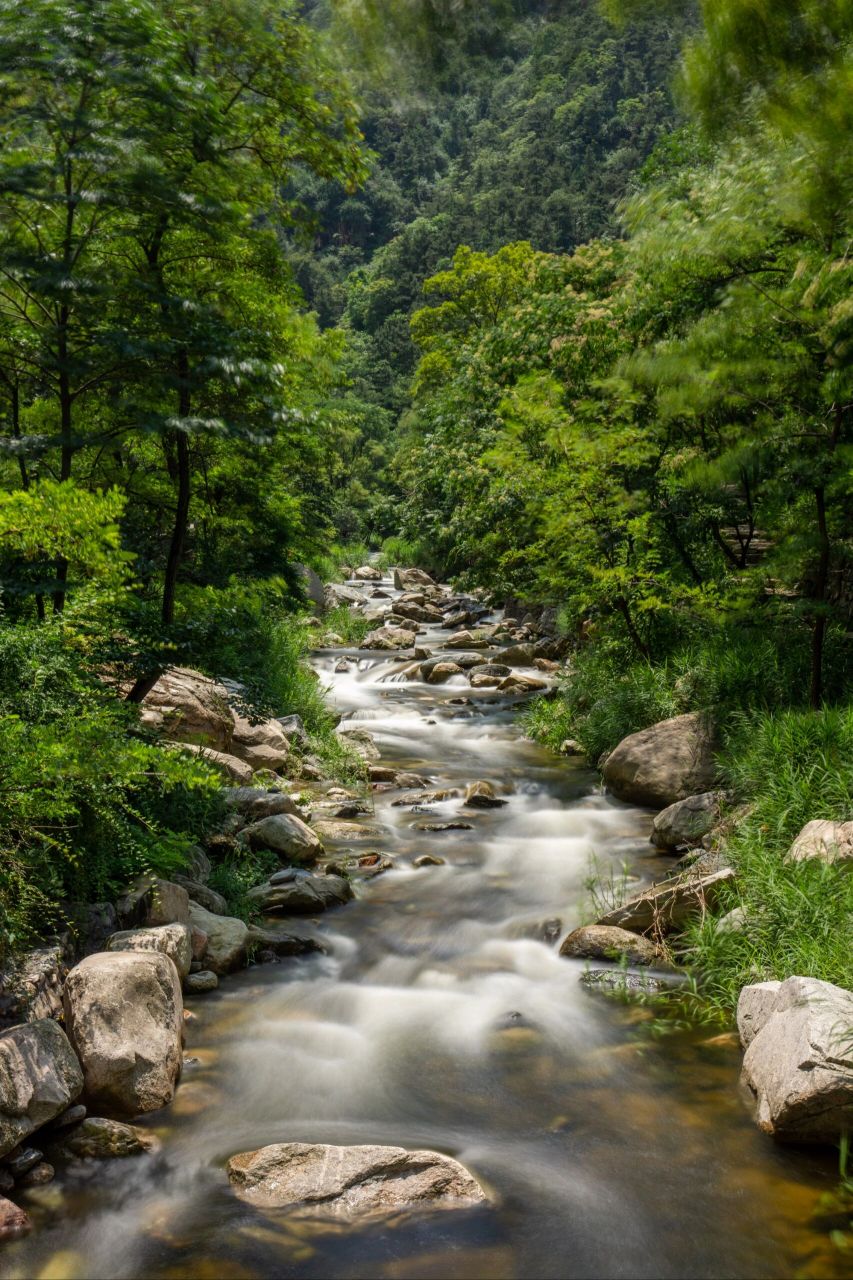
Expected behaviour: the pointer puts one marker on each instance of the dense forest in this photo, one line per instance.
(525, 327)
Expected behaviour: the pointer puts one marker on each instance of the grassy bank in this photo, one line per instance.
(783, 766)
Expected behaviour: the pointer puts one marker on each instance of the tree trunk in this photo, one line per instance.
(819, 627)
(182, 509)
(67, 451)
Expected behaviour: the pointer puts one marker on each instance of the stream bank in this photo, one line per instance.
(440, 1015)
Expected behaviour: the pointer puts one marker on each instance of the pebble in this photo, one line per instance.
(198, 983)
(71, 1115)
(21, 1159)
(38, 1175)
(428, 860)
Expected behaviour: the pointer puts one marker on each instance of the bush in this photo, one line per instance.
(86, 804)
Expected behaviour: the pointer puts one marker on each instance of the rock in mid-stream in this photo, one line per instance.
(351, 1182)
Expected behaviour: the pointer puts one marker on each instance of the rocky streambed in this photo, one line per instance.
(430, 1048)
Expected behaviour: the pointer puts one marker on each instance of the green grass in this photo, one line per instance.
(347, 623)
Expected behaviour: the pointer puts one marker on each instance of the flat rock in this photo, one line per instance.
(305, 894)
(256, 803)
(607, 942)
(799, 1059)
(124, 1015)
(230, 766)
(665, 906)
(173, 940)
(667, 762)
(351, 1182)
(39, 1078)
(614, 981)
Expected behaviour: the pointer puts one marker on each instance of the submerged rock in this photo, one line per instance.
(100, 1139)
(616, 982)
(351, 1182)
(667, 762)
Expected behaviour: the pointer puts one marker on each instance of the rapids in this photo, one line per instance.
(442, 1016)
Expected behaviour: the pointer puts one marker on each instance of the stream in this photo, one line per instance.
(442, 1016)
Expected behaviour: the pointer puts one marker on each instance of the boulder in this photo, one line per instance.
(197, 866)
(39, 1078)
(335, 829)
(13, 1221)
(230, 766)
(263, 746)
(226, 940)
(411, 579)
(204, 896)
(99, 1139)
(173, 940)
(607, 942)
(361, 741)
(687, 821)
(255, 803)
(664, 907)
(337, 593)
(124, 1014)
(522, 684)
(367, 573)
(199, 983)
(481, 795)
(825, 842)
(518, 655)
(427, 613)
(31, 983)
(294, 730)
(301, 894)
(467, 640)
(288, 836)
(387, 638)
(439, 672)
(799, 1059)
(667, 762)
(351, 1182)
(151, 902)
(188, 707)
(481, 680)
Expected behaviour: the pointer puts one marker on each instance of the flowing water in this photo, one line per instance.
(440, 1018)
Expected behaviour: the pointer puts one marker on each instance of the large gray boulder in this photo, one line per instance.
(151, 902)
(255, 803)
(124, 1014)
(39, 1077)
(204, 896)
(189, 707)
(664, 907)
(607, 942)
(338, 593)
(687, 821)
(227, 940)
(825, 842)
(668, 761)
(301, 894)
(224, 762)
(172, 940)
(411, 579)
(799, 1058)
(288, 836)
(388, 638)
(367, 573)
(351, 1182)
(262, 746)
